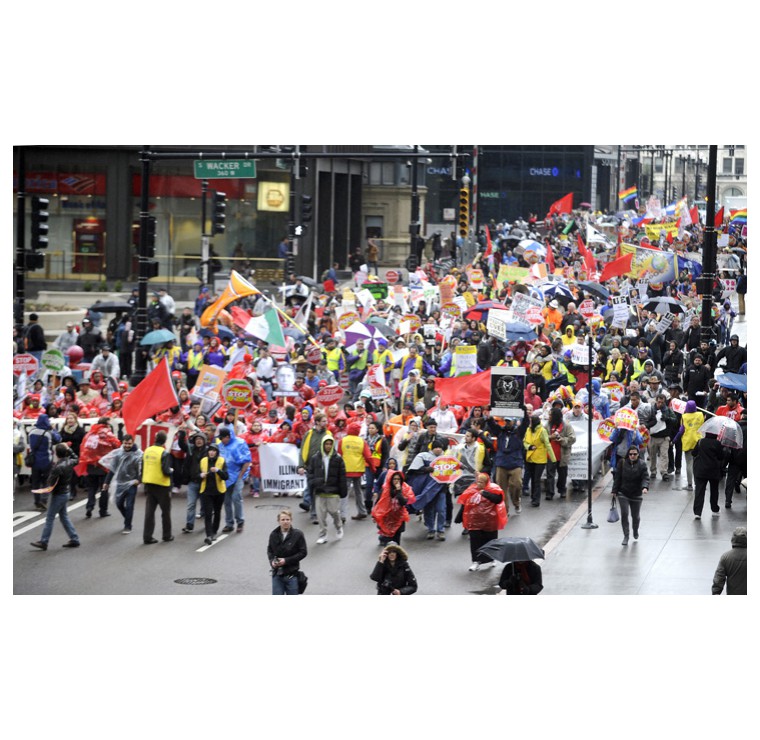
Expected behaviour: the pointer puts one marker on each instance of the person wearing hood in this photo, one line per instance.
(732, 567)
(356, 455)
(285, 551)
(484, 514)
(59, 481)
(392, 573)
(126, 470)
(562, 438)
(630, 482)
(254, 439)
(311, 447)
(214, 475)
(237, 459)
(695, 379)
(710, 458)
(391, 512)
(510, 456)
(734, 355)
(327, 480)
(568, 337)
(661, 425)
(196, 451)
(99, 441)
(42, 439)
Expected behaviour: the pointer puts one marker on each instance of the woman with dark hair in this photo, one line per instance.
(72, 434)
(392, 573)
(213, 473)
(672, 364)
(631, 481)
(535, 377)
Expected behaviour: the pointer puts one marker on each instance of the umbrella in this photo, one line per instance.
(594, 289)
(735, 381)
(529, 245)
(511, 549)
(517, 332)
(663, 305)
(480, 310)
(584, 205)
(222, 331)
(514, 237)
(159, 336)
(311, 282)
(371, 335)
(729, 432)
(560, 291)
(111, 307)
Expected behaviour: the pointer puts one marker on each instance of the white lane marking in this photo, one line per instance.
(218, 539)
(19, 517)
(31, 526)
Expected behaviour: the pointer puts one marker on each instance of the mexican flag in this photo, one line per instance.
(265, 327)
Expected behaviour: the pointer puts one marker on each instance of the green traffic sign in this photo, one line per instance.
(222, 169)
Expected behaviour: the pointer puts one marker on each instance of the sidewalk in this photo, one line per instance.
(674, 555)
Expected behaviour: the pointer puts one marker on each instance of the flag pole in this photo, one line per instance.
(590, 520)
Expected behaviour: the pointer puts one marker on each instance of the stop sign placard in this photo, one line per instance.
(238, 394)
(25, 363)
(586, 308)
(391, 277)
(446, 469)
(329, 395)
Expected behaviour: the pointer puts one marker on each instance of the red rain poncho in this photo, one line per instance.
(481, 514)
(388, 513)
(96, 443)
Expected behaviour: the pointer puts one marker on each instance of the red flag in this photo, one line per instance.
(694, 213)
(465, 390)
(617, 267)
(563, 205)
(489, 245)
(588, 257)
(550, 258)
(581, 246)
(154, 394)
(669, 238)
(719, 219)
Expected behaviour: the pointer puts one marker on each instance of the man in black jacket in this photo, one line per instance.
(695, 379)
(89, 340)
(710, 457)
(428, 440)
(60, 478)
(692, 335)
(34, 337)
(732, 567)
(285, 551)
(735, 355)
(327, 481)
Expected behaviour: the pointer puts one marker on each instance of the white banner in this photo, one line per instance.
(620, 312)
(279, 469)
(521, 303)
(577, 465)
(665, 322)
(496, 325)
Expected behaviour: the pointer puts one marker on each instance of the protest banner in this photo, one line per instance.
(521, 304)
(508, 391)
(620, 312)
(577, 467)
(53, 360)
(465, 360)
(208, 388)
(651, 265)
(279, 469)
(664, 323)
(496, 324)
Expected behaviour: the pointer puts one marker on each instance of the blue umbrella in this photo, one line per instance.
(159, 336)
(517, 332)
(556, 290)
(223, 331)
(529, 245)
(735, 381)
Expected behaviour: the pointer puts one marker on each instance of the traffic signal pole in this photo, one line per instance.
(18, 304)
(709, 251)
(141, 313)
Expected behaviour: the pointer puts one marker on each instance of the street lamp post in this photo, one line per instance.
(414, 221)
(709, 249)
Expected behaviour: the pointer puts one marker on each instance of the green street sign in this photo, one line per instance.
(222, 169)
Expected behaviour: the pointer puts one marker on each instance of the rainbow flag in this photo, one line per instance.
(625, 195)
(739, 217)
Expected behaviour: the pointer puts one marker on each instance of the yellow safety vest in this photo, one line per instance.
(152, 472)
(221, 486)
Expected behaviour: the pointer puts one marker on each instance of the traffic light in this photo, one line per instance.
(464, 212)
(151, 269)
(34, 260)
(218, 214)
(307, 209)
(303, 168)
(40, 226)
(150, 248)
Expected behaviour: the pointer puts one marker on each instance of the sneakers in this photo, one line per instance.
(716, 513)
(339, 534)
(175, 489)
(240, 527)
(625, 540)
(187, 529)
(728, 506)
(518, 509)
(322, 539)
(71, 543)
(697, 516)
(689, 487)
(430, 535)
(39, 545)
(126, 530)
(207, 540)
(170, 538)
(103, 513)
(228, 529)
(151, 541)
(440, 536)
(304, 506)
(88, 513)
(666, 478)
(474, 566)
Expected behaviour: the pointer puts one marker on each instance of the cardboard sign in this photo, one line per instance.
(465, 360)
(521, 303)
(507, 391)
(664, 323)
(53, 360)
(580, 355)
(496, 324)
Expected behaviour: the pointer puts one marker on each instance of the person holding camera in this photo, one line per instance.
(59, 484)
(631, 481)
(285, 551)
(392, 572)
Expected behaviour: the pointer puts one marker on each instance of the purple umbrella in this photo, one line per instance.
(371, 335)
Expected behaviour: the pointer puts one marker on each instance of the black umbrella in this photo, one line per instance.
(595, 289)
(511, 549)
(111, 307)
(663, 305)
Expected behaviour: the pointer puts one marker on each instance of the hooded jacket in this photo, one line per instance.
(42, 439)
(394, 576)
(355, 451)
(484, 510)
(331, 480)
(390, 511)
(630, 477)
(509, 446)
(732, 567)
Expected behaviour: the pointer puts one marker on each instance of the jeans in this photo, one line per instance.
(284, 585)
(634, 506)
(94, 484)
(734, 477)
(193, 493)
(37, 479)
(125, 503)
(560, 471)
(434, 514)
(233, 499)
(57, 507)
(369, 477)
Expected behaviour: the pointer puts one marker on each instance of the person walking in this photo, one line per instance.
(430, 494)
(691, 420)
(126, 469)
(731, 572)
(710, 458)
(562, 439)
(213, 475)
(510, 456)
(630, 482)
(42, 439)
(327, 480)
(59, 481)
(356, 455)
(390, 512)
(237, 457)
(196, 451)
(538, 450)
(392, 572)
(285, 551)
(156, 478)
(99, 441)
(484, 515)
(661, 428)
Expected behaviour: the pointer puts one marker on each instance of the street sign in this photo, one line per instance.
(223, 169)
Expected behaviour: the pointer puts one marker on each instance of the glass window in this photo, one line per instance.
(658, 164)
(739, 166)
(375, 173)
(727, 165)
(389, 173)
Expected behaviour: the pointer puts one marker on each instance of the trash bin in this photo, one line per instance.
(378, 290)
